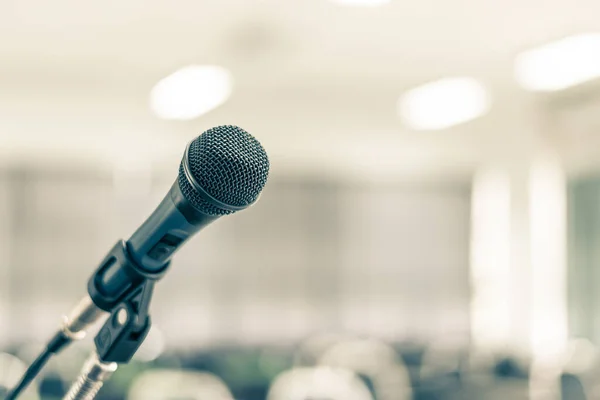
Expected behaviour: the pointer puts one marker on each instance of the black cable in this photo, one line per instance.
(33, 370)
(57, 343)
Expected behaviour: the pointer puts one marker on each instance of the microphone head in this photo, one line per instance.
(223, 171)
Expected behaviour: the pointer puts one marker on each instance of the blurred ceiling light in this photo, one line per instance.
(561, 64)
(362, 3)
(490, 259)
(191, 92)
(443, 103)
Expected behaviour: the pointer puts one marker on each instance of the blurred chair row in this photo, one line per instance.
(324, 368)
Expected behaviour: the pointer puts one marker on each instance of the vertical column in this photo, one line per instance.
(548, 258)
(500, 265)
(519, 295)
(491, 258)
(548, 291)
(518, 263)
(5, 244)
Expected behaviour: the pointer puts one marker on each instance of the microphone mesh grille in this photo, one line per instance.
(229, 164)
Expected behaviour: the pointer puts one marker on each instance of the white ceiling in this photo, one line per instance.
(316, 82)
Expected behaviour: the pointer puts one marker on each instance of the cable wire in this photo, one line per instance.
(57, 343)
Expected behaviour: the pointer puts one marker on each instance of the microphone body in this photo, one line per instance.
(222, 171)
(151, 246)
(172, 223)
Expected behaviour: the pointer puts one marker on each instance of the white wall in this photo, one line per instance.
(312, 255)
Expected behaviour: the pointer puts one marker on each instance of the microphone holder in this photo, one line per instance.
(116, 342)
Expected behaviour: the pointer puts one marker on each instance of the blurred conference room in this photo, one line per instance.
(430, 229)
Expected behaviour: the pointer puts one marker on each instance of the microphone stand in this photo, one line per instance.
(119, 286)
(116, 342)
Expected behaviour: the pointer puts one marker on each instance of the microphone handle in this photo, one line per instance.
(93, 375)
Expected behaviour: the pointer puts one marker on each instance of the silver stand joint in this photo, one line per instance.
(82, 317)
(91, 379)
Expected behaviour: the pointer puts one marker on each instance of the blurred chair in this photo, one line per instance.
(177, 385)
(319, 383)
(11, 370)
(52, 385)
(312, 349)
(444, 368)
(510, 374)
(451, 371)
(247, 370)
(376, 361)
(579, 376)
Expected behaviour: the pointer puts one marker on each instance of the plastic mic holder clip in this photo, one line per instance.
(126, 327)
(136, 277)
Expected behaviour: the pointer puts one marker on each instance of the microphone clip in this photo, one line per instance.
(127, 326)
(119, 277)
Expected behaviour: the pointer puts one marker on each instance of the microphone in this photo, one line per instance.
(222, 171)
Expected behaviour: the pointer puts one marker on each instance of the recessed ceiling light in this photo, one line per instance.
(191, 92)
(561, 64)
(362, 3)
(443, 103)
